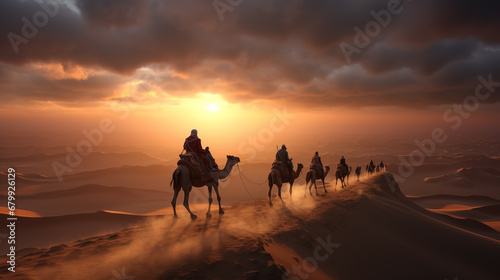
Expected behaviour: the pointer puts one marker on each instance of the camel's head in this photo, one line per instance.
(300, 166)
(233, 159)
(327, 168)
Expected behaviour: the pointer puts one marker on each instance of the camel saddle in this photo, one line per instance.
(196, 168)
(281, 168)
(343, 167)
(317, 168)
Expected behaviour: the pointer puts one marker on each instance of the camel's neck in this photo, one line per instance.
(326, 173)
(226, 171)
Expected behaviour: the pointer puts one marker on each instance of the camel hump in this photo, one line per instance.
(194, 170)
(316, 167)
(197, 171)
(278, 165)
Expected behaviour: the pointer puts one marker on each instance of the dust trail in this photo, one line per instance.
(164, 243)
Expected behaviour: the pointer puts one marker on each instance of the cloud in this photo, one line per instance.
(288, 51)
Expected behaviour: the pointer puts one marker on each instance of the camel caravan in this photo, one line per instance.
(197, 168)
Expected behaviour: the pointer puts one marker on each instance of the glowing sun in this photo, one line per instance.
(212, 107)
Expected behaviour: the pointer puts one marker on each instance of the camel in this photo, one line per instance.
(341, 173)
(369, 169)
(311, 175)
(275, 178)
(382, 166)
(181, 179)
(377, 169)
(358, 172)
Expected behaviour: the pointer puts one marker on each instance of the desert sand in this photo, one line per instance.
(368, 230)
(112, 219)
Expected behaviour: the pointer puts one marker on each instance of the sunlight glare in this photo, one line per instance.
(212, 107)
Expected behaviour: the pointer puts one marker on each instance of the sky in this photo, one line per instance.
(236, 69)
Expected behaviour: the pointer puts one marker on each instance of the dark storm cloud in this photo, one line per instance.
(20, 85)
(425, 61)
(278, 50)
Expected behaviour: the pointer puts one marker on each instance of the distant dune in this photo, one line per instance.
(484, 213)
(469, 176)
(368, 231)
(468, 181)
(155, 177)
(49, 231)
(92, 198)
(442, 200)
(19, 212)
(42, 163)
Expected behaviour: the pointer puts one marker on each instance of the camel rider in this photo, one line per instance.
(372, 165)
(282, 155)
(317, 164)
(193, 144)
(381, 163)
(343, 164)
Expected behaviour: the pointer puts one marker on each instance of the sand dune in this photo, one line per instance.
(488, 215)
(483, 213)
(154, 177)
(42, 163)
(19, 212)
(468, 176)
(92, 198)
(49, 231)
(442, 200)
(368, 231)
(468, 181)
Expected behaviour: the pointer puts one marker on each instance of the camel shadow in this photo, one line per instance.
(283, 209)
(207, 222)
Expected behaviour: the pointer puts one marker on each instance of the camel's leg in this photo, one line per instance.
(305, 190)
(186, 204)
(291, 184)
(316, 187)
(209, 215)
(271, 183)
(269, 194)
(216, 187)
(174, 200)
(324, 187)
(279, 192)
